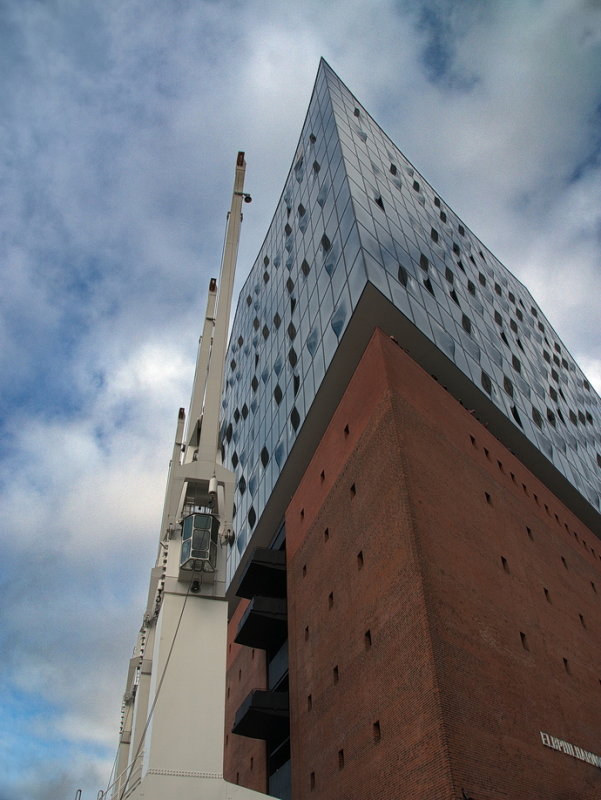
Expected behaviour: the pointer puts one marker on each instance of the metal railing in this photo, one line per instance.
(126, 782)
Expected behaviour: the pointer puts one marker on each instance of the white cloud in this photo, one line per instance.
(122, 120)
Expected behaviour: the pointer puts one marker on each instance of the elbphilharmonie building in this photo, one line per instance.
(415, 578)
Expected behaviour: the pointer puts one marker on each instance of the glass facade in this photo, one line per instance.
(354, 211)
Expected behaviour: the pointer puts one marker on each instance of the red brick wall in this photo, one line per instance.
(244, 758)
(466, 661)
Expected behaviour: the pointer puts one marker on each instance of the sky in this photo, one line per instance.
(119, 128)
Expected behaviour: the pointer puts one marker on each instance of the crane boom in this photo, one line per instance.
(172, 731)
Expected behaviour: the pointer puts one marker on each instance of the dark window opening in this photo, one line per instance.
(486, 382)
(295, 418)
(536, 416)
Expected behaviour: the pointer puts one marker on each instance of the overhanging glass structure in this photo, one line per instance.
(359, 239)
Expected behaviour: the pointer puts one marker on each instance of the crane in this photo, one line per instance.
(172, 727)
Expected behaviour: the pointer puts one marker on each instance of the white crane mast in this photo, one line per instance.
(172, 732)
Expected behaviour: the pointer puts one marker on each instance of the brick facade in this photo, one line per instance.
(444, 607)
(244, 759)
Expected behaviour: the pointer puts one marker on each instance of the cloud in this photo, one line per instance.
(121, 123)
